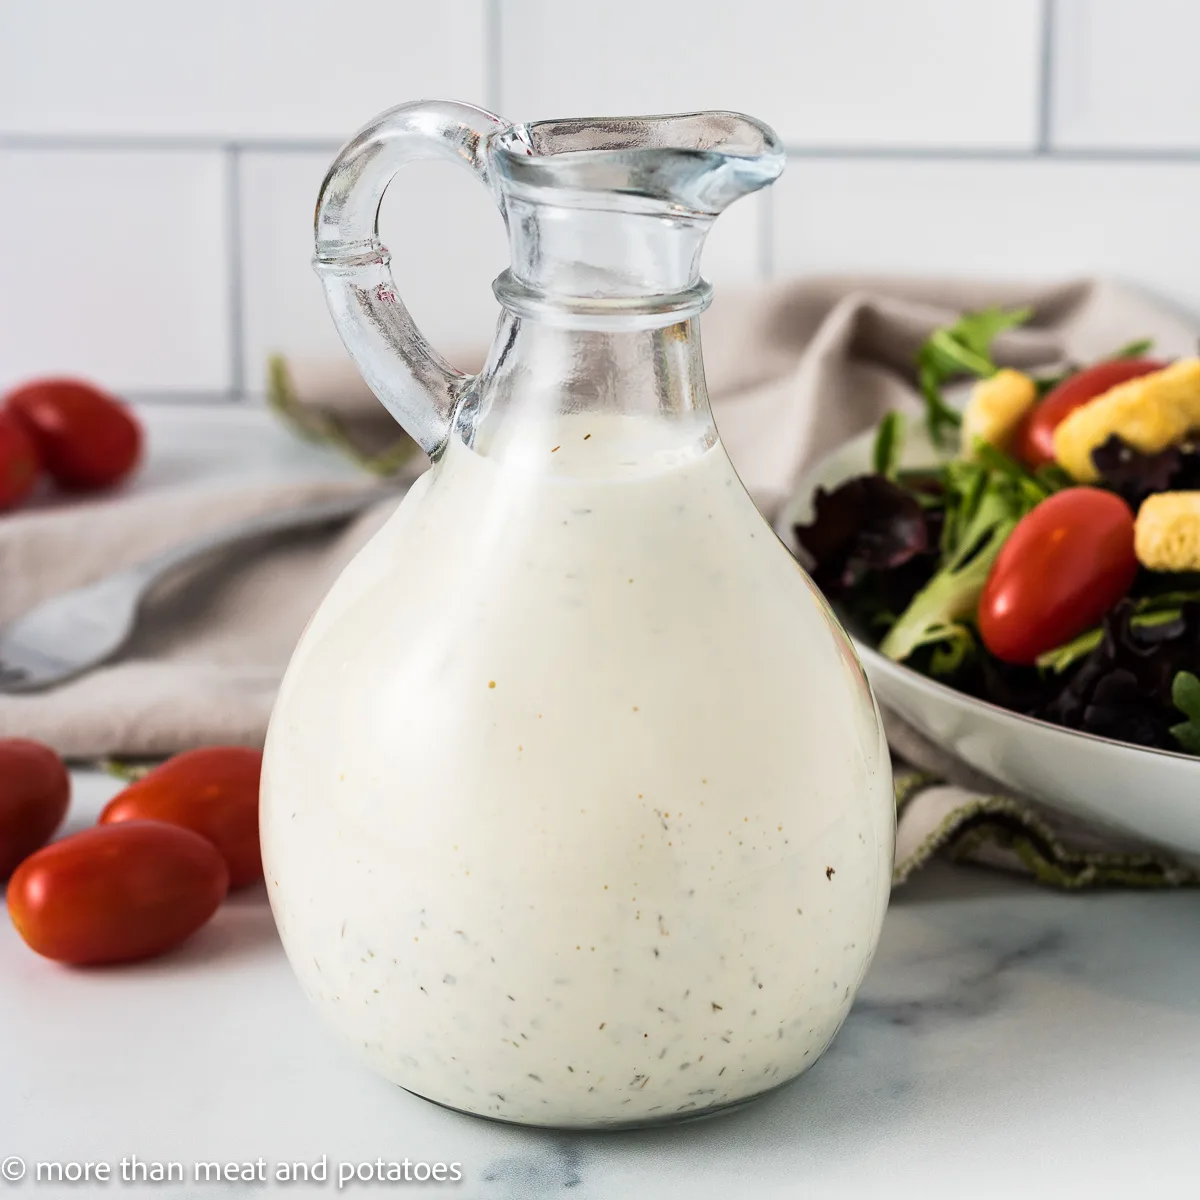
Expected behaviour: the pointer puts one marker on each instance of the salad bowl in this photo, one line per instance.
(1147, 794)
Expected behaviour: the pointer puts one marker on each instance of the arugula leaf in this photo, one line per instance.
(954, 644)
(983, 507)
(964, 483)
(1047, 383)
(1147, 612)
(1135, 349)
(1185, 695)
(1167, 602)
(1035, 487)
(1069, 653)
(1053, 478)
(966, 480)
(939, 416)
(977, 331)
(889, 440)
(962, 348)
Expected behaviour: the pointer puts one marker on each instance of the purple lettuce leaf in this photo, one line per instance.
(867, 525)
(1134, 475)
(1123, 689)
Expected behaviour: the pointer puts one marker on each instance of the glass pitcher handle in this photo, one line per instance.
(417, 386)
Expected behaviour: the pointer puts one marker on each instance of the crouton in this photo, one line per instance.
(1151, 413)
(1166, 535)
(995, 409)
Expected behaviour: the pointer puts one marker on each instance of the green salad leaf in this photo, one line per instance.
(964, 348)
(951, 650)
(1160, 609)
(1185, 695)
(1037, 485)
(1069, 653)
(1136, 349)
(889, 441)
(1053, 478)
(983, 505)
(1045, 384)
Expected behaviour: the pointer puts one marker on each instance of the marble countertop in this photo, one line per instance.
(1007, 1041)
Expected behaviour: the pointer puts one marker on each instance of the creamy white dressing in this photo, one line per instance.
(575, 808)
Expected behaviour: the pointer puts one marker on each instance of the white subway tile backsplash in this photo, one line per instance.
(283, 309)
(1035, 219)
(1126, 74)
(849, 72)
(447, 242)
(114, 268)
(230, 68)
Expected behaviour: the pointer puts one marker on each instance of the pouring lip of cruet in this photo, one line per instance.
(699, 162)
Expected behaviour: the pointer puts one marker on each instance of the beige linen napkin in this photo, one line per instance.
(210, 647)
(793, 368)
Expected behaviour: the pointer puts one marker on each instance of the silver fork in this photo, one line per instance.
(70, 633)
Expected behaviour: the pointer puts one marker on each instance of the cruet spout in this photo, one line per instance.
(692, 163)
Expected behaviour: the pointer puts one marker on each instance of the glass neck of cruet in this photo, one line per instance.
(600, 324)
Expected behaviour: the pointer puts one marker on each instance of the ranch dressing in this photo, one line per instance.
(576, 810)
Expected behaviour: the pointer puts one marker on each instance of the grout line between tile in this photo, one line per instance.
(493, 56)
(154, 143)
(234, 267)
(328, 146)
(1100, 154)
(843, 152)
(1046, 69)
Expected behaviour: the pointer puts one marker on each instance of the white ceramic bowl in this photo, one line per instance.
(1151, 794)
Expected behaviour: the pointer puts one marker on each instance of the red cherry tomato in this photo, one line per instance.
(116, 893)
(34, 792)
(1063, 567)
(1033, 443)
(213, 792)
(18, 462)
(86, 438)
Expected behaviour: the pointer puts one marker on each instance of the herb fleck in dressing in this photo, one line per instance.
(636, 917)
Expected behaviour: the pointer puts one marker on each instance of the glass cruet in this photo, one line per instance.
(576, 805)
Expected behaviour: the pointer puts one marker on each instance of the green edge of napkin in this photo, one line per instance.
(1000, 823)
